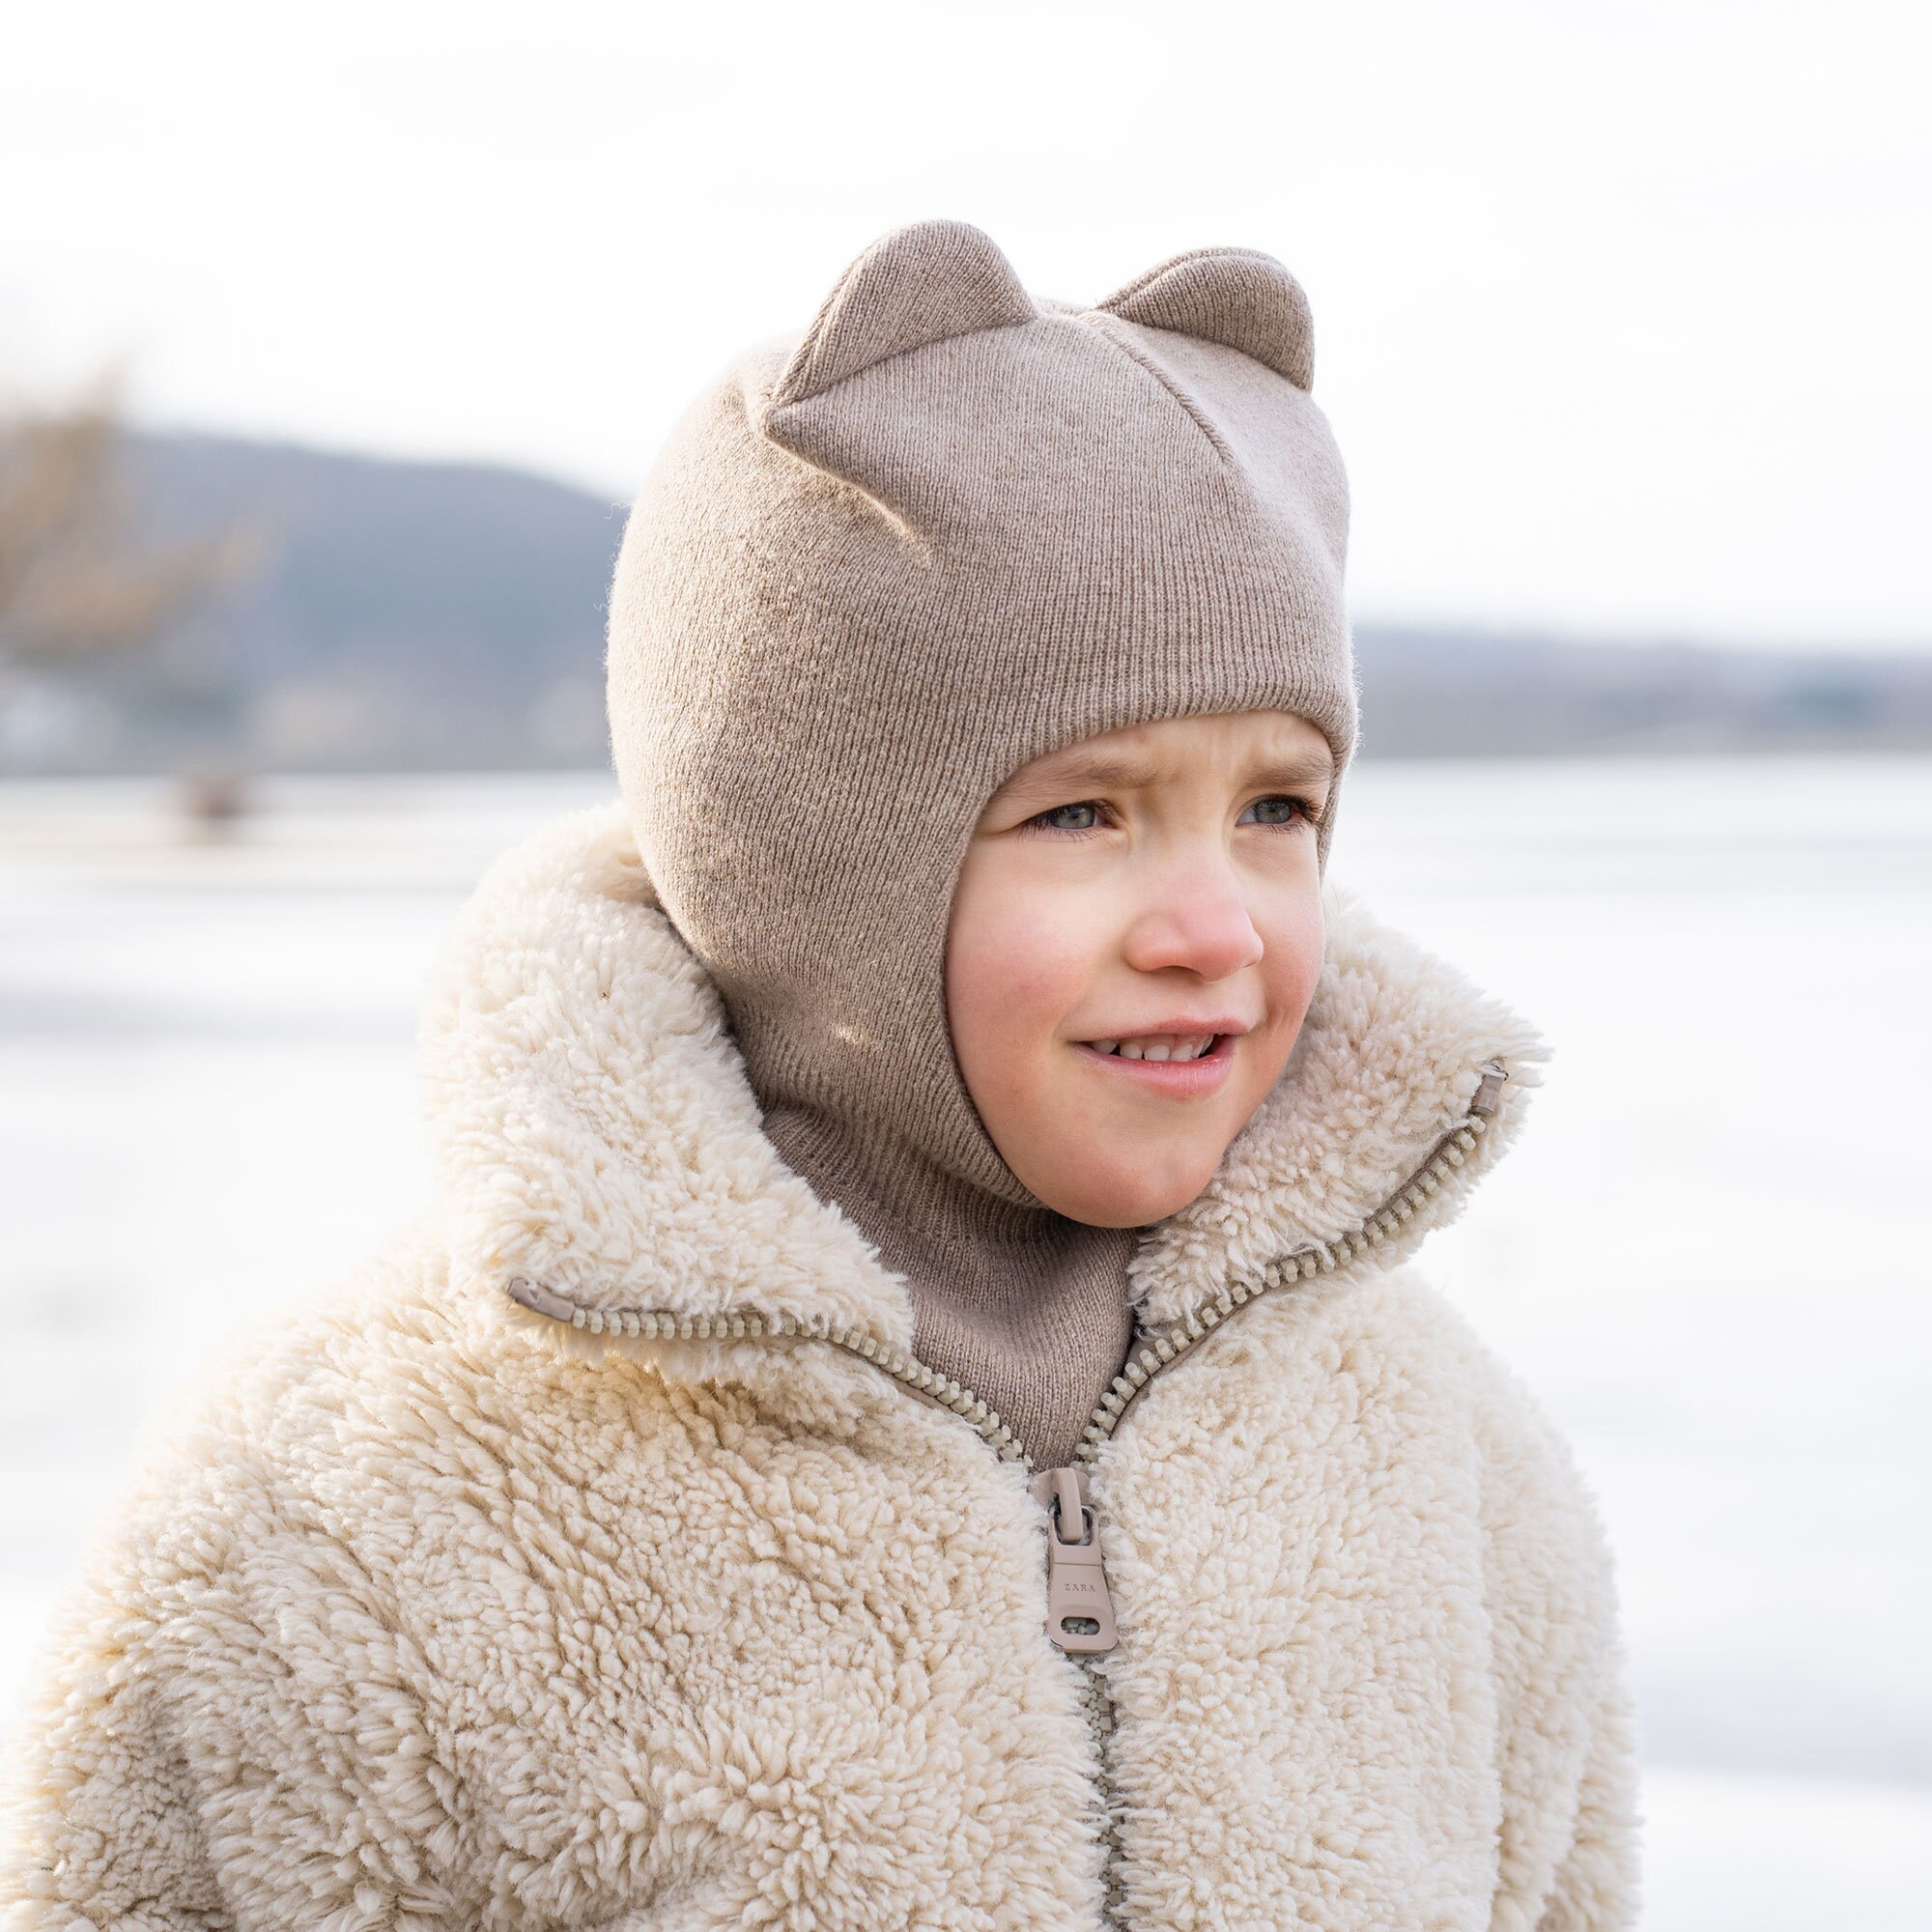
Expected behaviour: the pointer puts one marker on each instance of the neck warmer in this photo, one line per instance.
(875, 569)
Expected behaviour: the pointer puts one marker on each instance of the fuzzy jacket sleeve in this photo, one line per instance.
(182, 1757)
(1568, 1740)
(101, 1824)
(1596, 1884)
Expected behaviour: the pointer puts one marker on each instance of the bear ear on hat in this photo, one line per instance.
(1239, 297)
(926, 282)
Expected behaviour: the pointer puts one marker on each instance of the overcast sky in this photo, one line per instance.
(1623, 311)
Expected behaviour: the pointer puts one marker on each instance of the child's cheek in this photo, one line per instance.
(1300, 948)
(1294, 940)
(1015, 968)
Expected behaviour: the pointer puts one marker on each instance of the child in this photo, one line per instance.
(907, 1412)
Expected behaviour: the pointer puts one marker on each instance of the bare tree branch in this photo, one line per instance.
(76, 580)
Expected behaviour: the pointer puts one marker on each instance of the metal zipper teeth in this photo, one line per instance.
(1304, 1264)
(653, 1326)
(1307, 1262)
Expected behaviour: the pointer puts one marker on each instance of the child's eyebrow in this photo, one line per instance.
(1126, 772)
(1292, 774)
(1116, 774)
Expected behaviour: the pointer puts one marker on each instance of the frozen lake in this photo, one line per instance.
(1709, 1254)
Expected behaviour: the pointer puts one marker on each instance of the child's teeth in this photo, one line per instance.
(1159, 1047)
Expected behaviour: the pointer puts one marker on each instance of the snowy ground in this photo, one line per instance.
(1708, 1254)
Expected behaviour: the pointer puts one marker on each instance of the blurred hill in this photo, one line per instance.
(1450, 692)
(437, 615)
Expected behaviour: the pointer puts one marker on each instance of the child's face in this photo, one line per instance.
(1135, 938)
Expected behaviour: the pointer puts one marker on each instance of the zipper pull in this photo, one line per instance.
(1488, 1088)
(1079, 1611)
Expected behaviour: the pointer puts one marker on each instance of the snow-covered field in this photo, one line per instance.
(1710, 1253)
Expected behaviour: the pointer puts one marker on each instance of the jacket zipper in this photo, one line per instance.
(1077, 1593)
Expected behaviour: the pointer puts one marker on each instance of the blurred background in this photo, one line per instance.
(333, 342)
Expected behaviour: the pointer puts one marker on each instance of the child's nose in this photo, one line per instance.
(1195, 920)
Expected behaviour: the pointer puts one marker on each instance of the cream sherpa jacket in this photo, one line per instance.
(601, 1559)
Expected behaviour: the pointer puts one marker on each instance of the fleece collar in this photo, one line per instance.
(595, 1137)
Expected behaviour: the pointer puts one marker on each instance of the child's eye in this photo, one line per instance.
(1081, 817)
(1276, 810)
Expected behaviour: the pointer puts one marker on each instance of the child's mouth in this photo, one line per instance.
(1160, 1046)
(1171, 1062)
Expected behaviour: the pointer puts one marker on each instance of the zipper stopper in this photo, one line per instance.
(1079, 1609)
(540, 1301)
(1489, 1089)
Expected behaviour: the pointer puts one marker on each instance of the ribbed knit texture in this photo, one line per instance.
(1021, 1305)
(874, 571)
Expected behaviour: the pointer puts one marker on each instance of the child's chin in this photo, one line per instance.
(1134, 1201)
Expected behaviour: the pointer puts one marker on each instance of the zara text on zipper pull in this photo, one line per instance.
(1079, 1611)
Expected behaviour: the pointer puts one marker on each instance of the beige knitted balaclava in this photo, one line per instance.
(873, 572)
